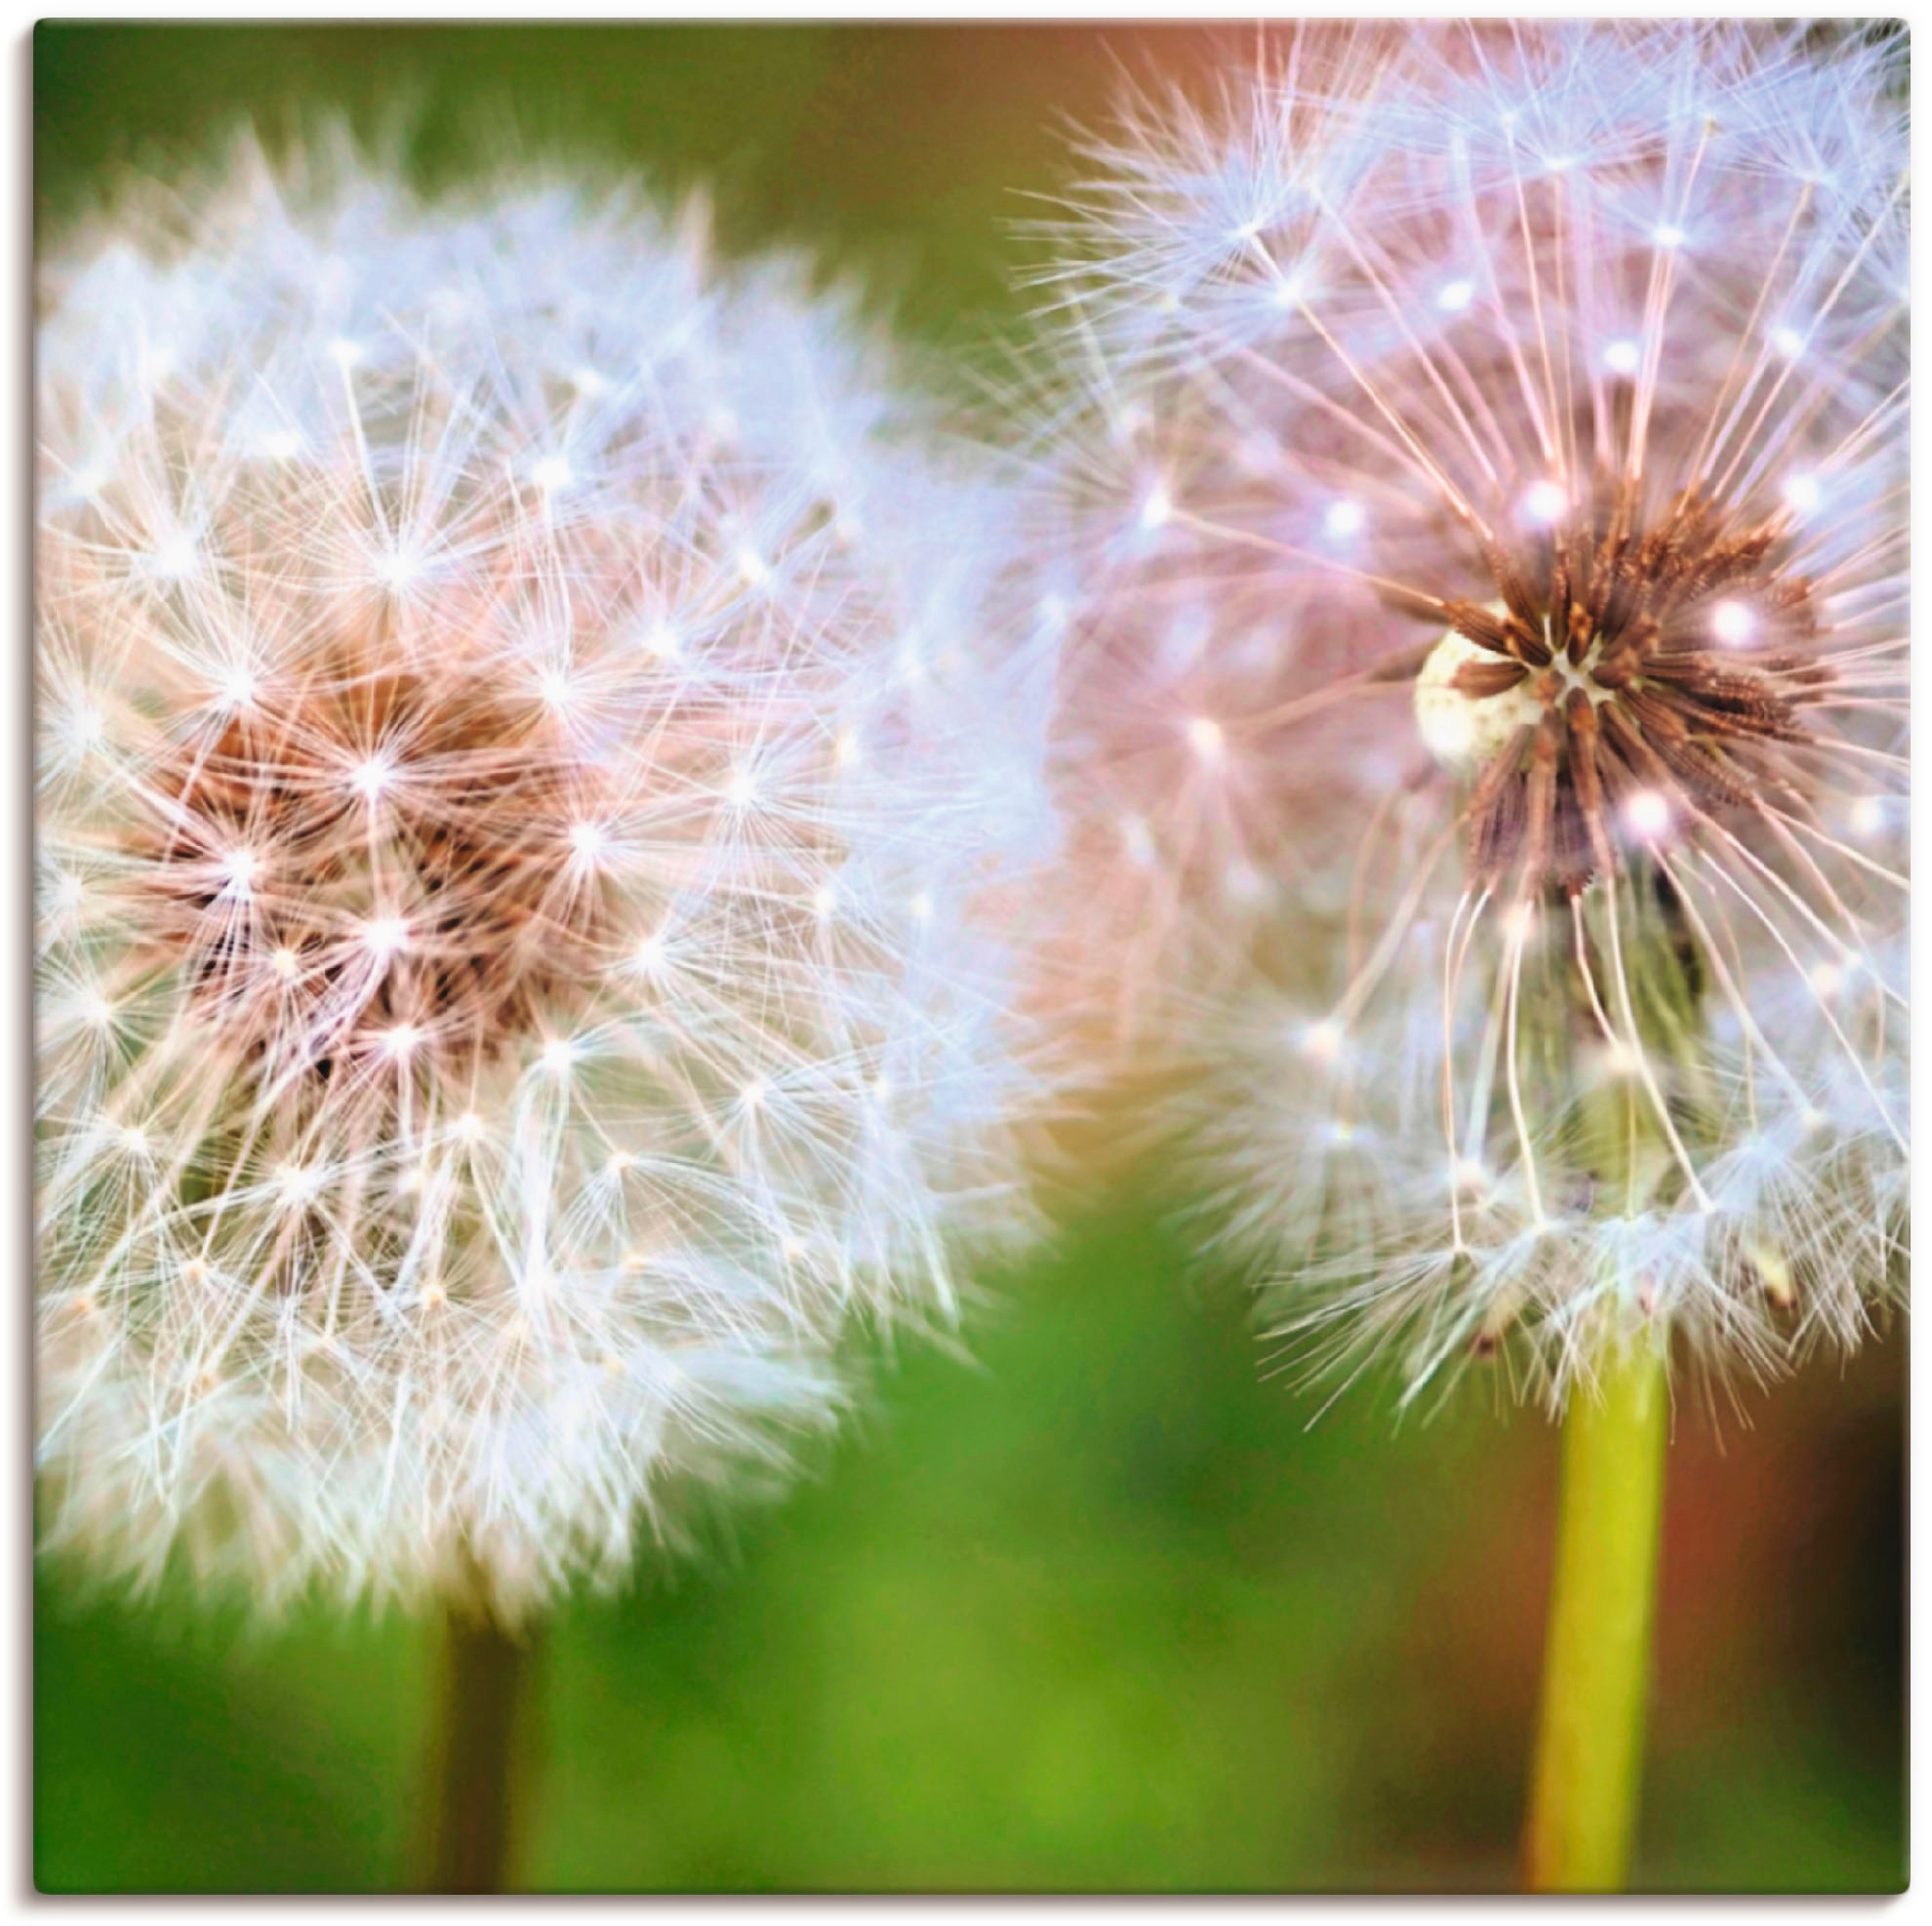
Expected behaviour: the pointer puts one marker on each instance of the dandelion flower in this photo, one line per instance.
(524, 788)
(1497, 732)
(1485, 570)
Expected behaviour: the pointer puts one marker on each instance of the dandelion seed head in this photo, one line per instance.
(440, 857)
(1576, 774)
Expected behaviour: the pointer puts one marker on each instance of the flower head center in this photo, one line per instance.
(1620, 683)
(436, 905)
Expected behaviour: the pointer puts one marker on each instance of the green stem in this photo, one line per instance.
(1595, 1673)
(471, 1802)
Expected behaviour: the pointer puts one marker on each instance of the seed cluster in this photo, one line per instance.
(532, 776)
(392, 846)
(1486, 557)
(1631, 658)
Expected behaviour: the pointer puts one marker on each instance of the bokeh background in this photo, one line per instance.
(1095, 1608)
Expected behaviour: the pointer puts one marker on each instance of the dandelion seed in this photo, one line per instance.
(1649, 814)
(1803, 494)
(176, 559)
(397, 569)
(1731, 622)
(1322, 1042)
(400, 1040)
(237, 690)
(1546, 503)
(382, 936)
(371, 778)
(239, 870)
(1206, 738)
(1867, 816)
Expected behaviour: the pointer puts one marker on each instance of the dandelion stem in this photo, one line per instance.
(471, 1804)
(1596, 1664)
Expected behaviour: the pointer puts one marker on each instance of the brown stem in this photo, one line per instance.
(472, 1800)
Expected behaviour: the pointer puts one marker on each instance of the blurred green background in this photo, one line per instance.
(1096, 1610)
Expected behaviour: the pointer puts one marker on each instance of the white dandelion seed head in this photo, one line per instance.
(1579, 770)
(413, 1188)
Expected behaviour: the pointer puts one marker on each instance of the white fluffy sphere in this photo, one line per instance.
(528, 798)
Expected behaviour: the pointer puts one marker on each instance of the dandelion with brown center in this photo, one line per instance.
(1483, 556)
(529, 777)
